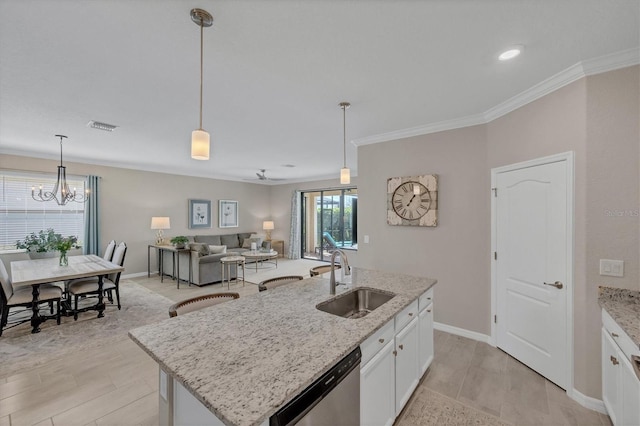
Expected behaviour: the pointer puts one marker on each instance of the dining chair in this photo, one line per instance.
(108, 252)
(318, 270)
(199, 302)
(84, 287)
(22, 297)
(278, 281)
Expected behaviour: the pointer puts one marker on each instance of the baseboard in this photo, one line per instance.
(462, 332)
(137, 274)
(587, 401)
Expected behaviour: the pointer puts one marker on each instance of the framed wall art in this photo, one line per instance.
(412, 200)
(228, 214)
(199, 214)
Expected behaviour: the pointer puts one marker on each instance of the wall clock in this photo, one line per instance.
(412, 200)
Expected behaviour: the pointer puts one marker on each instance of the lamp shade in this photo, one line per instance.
(199, 145)
(267, 225)
(160, 223)
(345, 176)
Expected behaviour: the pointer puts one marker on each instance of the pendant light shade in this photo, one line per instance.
(345, 173)
(200, 145)
(200, 140)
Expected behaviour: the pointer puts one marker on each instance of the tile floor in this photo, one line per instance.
(117, 384)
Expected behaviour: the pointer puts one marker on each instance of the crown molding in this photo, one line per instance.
(613, 61)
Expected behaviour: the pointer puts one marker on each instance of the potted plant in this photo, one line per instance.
(38, 245)
(180, 241)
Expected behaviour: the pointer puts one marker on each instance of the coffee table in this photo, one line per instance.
(262, 257)
(227, 262)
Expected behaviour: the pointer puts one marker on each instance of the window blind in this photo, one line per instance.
(20, 214)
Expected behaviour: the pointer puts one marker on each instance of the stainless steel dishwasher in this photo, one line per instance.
(332, 400)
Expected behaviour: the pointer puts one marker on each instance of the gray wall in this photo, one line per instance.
(597, 118)
(129, 199)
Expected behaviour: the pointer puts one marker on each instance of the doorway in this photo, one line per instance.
(532, 267)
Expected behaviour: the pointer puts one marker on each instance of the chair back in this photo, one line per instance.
(118, 259)
(278, 281)
(329, 242)
(108, 252)
(317, 270)
(199, 302)
(6, 286)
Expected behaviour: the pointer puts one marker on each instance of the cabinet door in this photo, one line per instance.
(610, 376)
(630, 398)
(425, 326)
(407, 368)
(377, 388)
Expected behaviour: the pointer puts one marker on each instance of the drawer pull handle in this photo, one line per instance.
(401, 347)
(381, 340)
(428, 310)
(395, 353)
(614, 360)
(614, 334)
(428, 298)
(410, 314)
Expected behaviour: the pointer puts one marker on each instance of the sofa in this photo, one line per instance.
(206, 252)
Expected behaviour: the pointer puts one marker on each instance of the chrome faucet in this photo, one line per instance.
(344, 263)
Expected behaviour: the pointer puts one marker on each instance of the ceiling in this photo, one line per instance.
(274, 74)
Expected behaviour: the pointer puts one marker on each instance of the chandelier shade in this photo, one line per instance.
(61, 192)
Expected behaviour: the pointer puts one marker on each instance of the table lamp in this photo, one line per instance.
(267, 225)
(160, 223)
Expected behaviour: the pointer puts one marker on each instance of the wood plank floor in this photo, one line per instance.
(117, 384)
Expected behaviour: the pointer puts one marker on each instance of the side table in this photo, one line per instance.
(227, 262)
(281, 244)
(175, 252)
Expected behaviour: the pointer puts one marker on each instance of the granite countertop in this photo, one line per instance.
(246, 358)
(624, 307)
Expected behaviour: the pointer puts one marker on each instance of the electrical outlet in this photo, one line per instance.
(612, 268)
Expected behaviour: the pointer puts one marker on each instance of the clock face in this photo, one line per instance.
(411, 200)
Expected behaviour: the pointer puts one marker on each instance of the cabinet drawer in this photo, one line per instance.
(621, 338)
(376, 341)
(426, 299)
(407, 314)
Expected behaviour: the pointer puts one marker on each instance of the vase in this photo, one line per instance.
(64, 260)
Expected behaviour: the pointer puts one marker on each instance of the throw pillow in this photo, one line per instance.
(248, 241)
(202, 249)
(217, 249)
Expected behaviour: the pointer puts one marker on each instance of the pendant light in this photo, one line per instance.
(61, 192)
(345, 173)
(200, 137)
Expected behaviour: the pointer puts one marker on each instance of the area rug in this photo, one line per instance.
(21, 350)
(431, 408)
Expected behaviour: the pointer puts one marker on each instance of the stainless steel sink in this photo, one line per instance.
(356, 303)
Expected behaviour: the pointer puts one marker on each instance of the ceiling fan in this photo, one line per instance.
(263, 176)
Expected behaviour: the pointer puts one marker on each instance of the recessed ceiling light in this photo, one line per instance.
(288, 165)
(101, 126)
(510, 53)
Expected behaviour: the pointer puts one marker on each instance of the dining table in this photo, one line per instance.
(40, 271)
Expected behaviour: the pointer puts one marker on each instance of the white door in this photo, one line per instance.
(532, 266)
(425, 326)
(610, 377)
(377, 389)
(407, 367)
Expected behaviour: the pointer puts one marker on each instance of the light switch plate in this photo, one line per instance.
(366, 239)
(611, 268)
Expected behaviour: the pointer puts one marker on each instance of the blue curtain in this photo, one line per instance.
(92, 217)
(294, 231)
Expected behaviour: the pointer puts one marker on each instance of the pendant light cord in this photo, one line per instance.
(201, 66)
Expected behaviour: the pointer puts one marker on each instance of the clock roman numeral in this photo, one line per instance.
(410, 215)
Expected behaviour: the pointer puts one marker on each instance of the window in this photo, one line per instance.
(20, 214)
(329, 221)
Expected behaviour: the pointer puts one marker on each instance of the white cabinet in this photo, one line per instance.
(407, 368)
(425, 330)
(620, 385)
(377, 388)
(393, 361)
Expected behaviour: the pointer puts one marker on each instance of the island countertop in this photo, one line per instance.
(623, 306)
(246, 358)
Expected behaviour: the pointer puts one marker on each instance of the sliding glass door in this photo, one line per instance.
(329, 221)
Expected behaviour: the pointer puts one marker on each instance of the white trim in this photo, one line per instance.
(610, 62)
(440, 126)
(474, 335)
(136, 275)
(587, 401)
(569, 158)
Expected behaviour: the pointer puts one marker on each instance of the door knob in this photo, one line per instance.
(614, 360)
(557, 284)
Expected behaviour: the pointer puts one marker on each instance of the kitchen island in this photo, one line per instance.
(245, 359)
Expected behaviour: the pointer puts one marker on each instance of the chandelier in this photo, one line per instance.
(61, 192)
(200, 137)
(345, 173)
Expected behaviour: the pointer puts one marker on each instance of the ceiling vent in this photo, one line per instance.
(101, 126)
